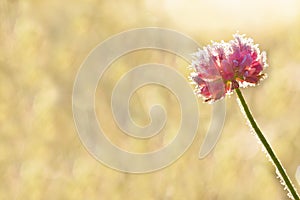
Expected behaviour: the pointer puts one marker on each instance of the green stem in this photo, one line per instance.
(267, 146)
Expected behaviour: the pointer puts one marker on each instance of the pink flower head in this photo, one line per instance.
(220, 68)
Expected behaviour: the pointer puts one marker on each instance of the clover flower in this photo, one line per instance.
(220, 68)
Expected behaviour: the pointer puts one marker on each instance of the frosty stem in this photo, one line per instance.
(267, 146)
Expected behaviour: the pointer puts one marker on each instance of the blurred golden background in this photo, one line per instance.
(43, 44)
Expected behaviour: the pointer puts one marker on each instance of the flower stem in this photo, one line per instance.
(267, 146)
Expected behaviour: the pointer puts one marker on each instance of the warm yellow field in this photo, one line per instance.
(42, 45)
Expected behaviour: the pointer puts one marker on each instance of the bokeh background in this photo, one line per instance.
(42, 45)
